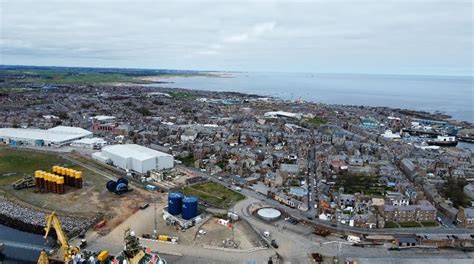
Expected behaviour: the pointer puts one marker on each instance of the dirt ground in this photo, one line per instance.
(143, 221)
(244, 237)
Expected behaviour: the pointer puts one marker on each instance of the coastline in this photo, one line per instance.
(30, 220)
(413, 93)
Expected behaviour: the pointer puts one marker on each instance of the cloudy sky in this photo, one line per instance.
(372, 36)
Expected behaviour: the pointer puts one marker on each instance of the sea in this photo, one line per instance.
(451, 95)
(20, 255)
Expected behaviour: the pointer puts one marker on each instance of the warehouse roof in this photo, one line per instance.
(95, 140)
(134, 151)
(56, 134)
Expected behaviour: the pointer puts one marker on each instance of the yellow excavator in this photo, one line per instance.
(133, 252)
(66, 251)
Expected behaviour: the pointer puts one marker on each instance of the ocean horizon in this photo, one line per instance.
(452, 95)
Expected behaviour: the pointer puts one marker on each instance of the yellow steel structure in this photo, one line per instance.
(68, 251)
(43, 258)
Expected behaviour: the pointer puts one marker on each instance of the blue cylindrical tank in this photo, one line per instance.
(190, 207)
(175, 203)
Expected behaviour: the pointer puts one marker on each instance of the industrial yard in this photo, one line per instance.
(16, 163)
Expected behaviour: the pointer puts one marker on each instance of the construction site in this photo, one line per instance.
(95, 209)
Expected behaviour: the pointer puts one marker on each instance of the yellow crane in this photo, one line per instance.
(67, 250)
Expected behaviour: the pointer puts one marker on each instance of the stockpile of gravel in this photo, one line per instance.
(14, 213)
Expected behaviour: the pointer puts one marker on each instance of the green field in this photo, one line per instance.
(214, 194)
(314, 122)
(367, 184)
(16, 163)
(24, 162)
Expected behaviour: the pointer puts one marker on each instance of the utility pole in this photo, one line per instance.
(155, 231)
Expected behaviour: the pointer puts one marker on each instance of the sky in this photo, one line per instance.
(372, 36)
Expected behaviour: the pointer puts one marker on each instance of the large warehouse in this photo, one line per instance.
(53, 137)
(135, 157)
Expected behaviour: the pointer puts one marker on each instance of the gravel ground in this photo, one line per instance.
(72, 225)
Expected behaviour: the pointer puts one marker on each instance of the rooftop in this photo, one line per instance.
(134, 151)
(57, 134)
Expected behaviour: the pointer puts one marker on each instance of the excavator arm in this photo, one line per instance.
(53, 220)
(68, 251)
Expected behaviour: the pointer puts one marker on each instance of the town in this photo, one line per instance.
(374, 174)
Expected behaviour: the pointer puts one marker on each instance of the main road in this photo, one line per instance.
(295, 246)
(325, 224)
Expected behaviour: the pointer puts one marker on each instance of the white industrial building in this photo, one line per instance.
(89, 143)
(135, 157)
(53, 137)
(277, 114)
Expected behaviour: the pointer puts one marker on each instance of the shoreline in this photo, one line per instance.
(30, 220)
(421, 114)
(442, 114)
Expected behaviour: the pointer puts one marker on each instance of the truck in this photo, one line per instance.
(353, 239)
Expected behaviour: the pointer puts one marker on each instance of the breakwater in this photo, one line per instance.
(34, 221)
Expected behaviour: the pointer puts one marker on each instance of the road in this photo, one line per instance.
(295, 245)
(325, 224)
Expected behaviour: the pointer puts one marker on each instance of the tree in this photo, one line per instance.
(453, 189)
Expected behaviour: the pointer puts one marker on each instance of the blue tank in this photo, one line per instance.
(190, 207)
(175, 203)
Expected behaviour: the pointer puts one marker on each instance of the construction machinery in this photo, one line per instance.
(133, 251)
(67, 251)
(26, 182)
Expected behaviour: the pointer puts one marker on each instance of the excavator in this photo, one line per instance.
(133, 252)
(66, 251)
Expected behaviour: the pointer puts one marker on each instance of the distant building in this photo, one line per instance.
(276, 114)
(136, 158)
(53, 137)
(89, 143)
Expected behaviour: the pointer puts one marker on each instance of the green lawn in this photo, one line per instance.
(314, 122)
(360, 183)
(429, 223)
(391, 225)
(214, 194)
(20, 162)
(24, 162)
(410, 224)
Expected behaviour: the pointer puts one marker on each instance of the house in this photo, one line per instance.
(356, 161)
(424, 211)
(189, 135)
(406, 241)
(465, 217)
(469, 190)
